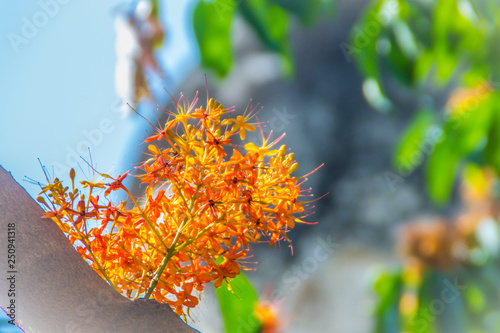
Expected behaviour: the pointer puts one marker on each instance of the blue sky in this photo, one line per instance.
(57, 84)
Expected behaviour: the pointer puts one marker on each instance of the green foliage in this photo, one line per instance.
(269, 19)
(270, 23)
(308, 11)
(491, 151)
(438, 50)
(237, 302)
(441, 170)
(466, 299)
(409, 151)
(364, 47)
(212, 27)
(463, 136)
(387, 287)
(428, 47)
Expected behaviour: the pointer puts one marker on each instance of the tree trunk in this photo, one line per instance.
(52, 289)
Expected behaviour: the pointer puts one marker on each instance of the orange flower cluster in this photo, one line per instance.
(267, 313)
(443, 244)
(431, 244)
(202, 207)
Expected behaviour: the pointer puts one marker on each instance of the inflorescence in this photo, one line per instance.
(202, 207)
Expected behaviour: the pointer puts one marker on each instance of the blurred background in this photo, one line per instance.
(399, 99)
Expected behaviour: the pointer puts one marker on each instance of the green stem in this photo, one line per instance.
(171, 250)
(165, 261)
(145, 217)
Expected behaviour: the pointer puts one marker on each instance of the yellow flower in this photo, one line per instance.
(240, 123)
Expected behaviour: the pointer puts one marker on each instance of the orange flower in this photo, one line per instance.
(116, 184)
(199, 211)
(267, 313)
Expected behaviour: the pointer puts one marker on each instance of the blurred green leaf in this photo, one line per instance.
(237, 302)
(424, 65)
(493, 50)
(388, 288)
(464, 132)
(441, 170)
(309, 11)
(492, 149)
(212, 27)
(270, 23)
(475, 298)
(446, 64)
(374, 95)
(444, 14)
(403, 53)
(363, 41)
(411, 145)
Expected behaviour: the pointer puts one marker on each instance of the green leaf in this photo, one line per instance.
(458, 34)
(387, 286)
(493, 50)
(446, 65)
(237, 302)
(409, 152)
(270, 23)
(212, 27)
(309, 11)
(424, 66)
(471, 128)
(441, 170)
(475, 298)
(368, 45)
(401, 60)
(463, 133)
(444, 15)
(492, 149)
(363, 41)
(374, 95)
